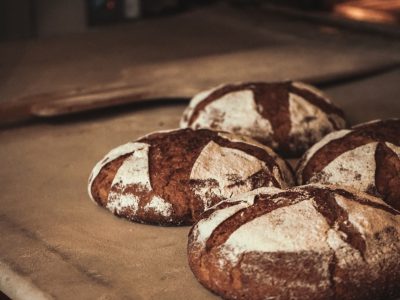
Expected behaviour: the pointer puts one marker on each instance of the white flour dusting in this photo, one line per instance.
(367, 219)
(301, 228)
(159, 206)
(197, 99)
(287, 180)
(206, 227)
(394, 148)
(118, 202)
(286, 229)
(355, 168)
(312, 89)
(307, 120)
(133, 171)
(110, 156)
(310, 152)
(225, 112)
(224, 167)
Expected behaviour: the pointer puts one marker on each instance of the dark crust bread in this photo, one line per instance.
(171, 157)
(374, 273)
(272, 102)
(387, 174)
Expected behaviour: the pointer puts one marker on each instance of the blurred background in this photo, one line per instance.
(54, 49)
(40, 18)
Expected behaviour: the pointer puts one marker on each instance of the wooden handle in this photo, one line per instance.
(128, 94)
(55, 104)
(15, 112)
(346, 77)
(89, 101)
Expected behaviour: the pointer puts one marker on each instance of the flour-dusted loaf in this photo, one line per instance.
(169, 178)
(287, 116)
(366, 158)
(310, 242)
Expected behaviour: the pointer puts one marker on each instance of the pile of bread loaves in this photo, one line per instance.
(255, 234)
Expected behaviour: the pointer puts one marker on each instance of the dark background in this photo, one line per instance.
(41, 18)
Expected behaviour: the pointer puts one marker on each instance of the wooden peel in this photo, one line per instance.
(90, 100)
(160, 82)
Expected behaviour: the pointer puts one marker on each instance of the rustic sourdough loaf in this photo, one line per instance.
(310, 242)
(169, 178)
(287, 116)
(366, 158)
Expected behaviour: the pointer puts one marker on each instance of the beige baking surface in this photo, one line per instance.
(55, 242)
(69, 248)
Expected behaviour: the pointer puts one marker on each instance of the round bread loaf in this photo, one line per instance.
(366, 158)
(287, 116)
(310, 242)
(170, 178)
